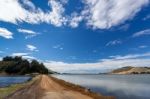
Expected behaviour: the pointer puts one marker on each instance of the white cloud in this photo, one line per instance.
(130, 56)
(102, 66)
(20, 54)
(31, 47)
(100, 14)
(13, 7)
(115, 42)
(141, 33)
(29, 4)
(34, 16)
(56, 15)
(29, 57)
(75, 19)
(58, 47)
(26, 31)
(24, 55)
(6, 33)
(95, 67)
(29, 33)
(104, 14)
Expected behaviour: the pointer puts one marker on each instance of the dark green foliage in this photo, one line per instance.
(17, 65)
(38, 67)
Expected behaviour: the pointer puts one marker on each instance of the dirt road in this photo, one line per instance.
(46, 88)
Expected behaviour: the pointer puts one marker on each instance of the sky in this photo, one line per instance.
(77, 36)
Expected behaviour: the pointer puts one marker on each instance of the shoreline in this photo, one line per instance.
(81, 89)
(41, 84)
(10, 89)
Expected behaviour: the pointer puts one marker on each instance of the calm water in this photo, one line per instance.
(121, 86)
(6, 81)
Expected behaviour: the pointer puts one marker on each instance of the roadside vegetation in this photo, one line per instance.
(5, 91)
(8, 90)
(19, 66)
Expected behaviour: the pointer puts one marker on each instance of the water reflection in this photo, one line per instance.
(121, 86)
(6, 81)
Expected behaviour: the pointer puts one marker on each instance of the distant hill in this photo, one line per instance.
(131, 70)
(19, 66)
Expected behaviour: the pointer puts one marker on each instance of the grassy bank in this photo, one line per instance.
(12, 88)
(8, 90)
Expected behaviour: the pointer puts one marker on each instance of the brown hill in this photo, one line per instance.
(131, 70)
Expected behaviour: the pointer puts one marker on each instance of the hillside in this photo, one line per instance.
(19, 66)
(131, 70)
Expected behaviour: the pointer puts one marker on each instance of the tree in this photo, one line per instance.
(38, 67)
(18, 65)
(7, 58)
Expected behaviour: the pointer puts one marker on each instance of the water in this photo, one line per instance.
(6, 81)
(120, 86)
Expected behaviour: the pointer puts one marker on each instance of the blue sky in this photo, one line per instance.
(77, 36)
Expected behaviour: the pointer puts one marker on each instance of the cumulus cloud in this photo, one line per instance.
(75, 19)
(115, 42)
(34, 16)
(102, 65)
(141, 33)
(103, 14)
(17, 12)
(31, 47)
(99, 14)
(6, 33)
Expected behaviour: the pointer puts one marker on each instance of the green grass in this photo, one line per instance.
(8, 90)
(12, 88)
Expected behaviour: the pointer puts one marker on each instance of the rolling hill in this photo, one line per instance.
(131, 70)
